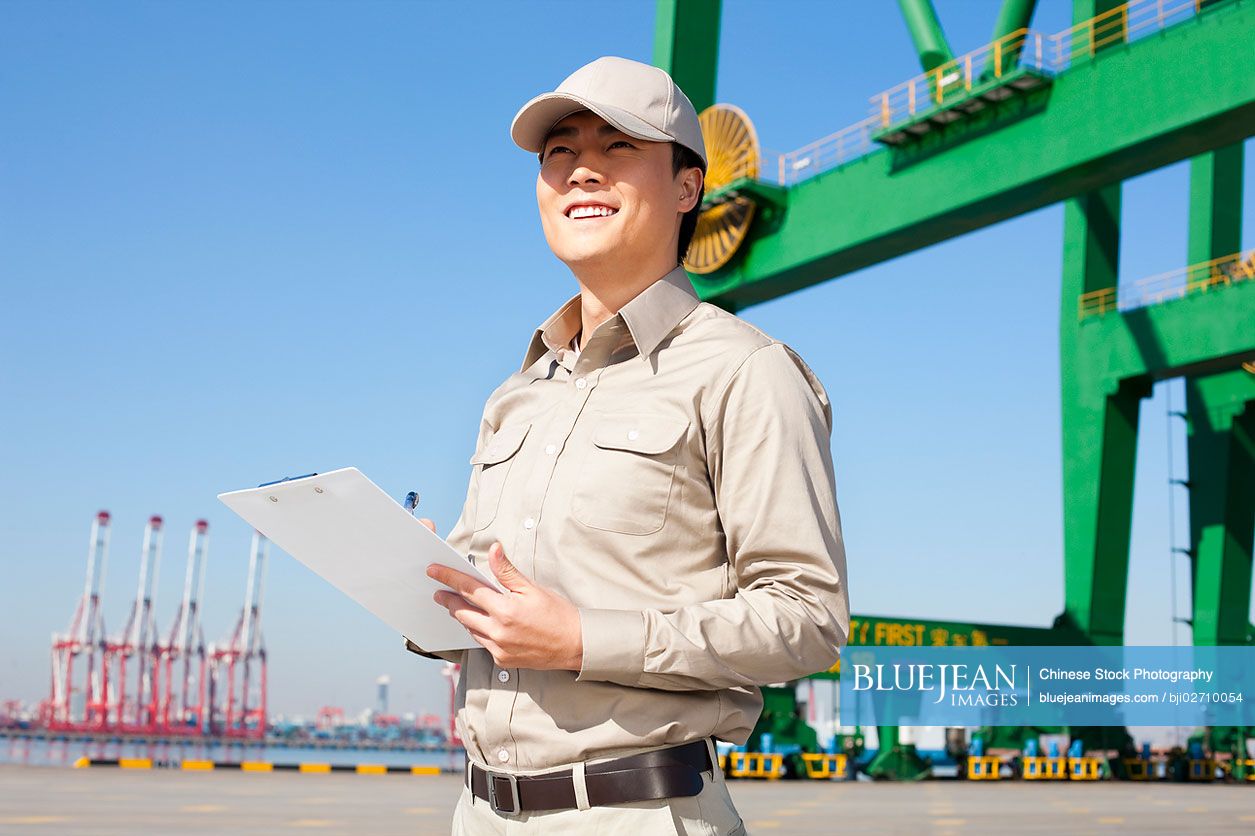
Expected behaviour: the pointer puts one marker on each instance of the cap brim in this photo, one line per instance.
(535, 118)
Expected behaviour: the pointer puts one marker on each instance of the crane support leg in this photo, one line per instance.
(926, 32)
(1100, 418)
(1012, 17)
(1221, 416)
(1220, 411)
(686, 45)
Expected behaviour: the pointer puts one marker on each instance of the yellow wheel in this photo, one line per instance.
(732, 150)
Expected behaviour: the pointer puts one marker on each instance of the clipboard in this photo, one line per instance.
(355, 536)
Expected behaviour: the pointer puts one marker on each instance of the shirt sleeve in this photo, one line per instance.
(460, 539)
(768, 433)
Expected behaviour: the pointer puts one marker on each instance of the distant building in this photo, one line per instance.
(383, 682)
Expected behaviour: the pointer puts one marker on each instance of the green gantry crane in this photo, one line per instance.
(1029, 121)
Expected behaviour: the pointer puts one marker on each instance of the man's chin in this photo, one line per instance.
(576, 258)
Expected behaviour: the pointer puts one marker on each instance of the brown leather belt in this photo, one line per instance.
(663, 773)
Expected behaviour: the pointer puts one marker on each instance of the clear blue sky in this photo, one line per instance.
(243, 240)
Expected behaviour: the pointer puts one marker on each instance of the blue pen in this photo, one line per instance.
(411, 504)
(285, 479)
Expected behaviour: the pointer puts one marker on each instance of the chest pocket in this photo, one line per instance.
(628, 480)
(493, 466)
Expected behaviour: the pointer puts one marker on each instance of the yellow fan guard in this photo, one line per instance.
(732, 153)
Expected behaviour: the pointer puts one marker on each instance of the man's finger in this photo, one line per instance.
(472, 589)
(468, 615)
(506, 572)
(451, 600)
(431, 525)
(488, 644)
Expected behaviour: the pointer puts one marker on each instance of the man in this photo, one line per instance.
(653, 489)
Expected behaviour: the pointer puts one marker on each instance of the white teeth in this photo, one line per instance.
(591, 212)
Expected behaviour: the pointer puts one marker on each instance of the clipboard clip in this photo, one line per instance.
(285, 479)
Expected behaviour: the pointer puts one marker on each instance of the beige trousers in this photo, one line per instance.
(709, 813)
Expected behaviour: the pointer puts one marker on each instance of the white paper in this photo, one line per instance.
(361, 541)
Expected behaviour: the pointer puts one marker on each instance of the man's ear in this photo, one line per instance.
(690, 188)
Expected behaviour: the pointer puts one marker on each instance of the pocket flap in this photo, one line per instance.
(502, 444)
(640, 434)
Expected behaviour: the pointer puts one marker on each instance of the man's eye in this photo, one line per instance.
(622, 142)
(555, 149)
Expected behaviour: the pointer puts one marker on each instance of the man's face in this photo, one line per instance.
(605, 195)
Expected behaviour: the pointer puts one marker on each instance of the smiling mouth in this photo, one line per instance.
(581, 213)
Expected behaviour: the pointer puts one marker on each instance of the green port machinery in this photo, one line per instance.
(1030, 120)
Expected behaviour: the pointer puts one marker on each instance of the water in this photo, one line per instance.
(65, 752)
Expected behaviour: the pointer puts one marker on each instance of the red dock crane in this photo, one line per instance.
(182, 707)
(329, 717)
(85, 636)
(135, 709)
(242, 661)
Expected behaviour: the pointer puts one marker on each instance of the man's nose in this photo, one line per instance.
(584, 172)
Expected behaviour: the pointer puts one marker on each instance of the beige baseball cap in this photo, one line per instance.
(639, 99)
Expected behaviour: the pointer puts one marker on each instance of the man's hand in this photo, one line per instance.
(527, 626)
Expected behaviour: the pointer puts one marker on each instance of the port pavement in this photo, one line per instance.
(58, 800)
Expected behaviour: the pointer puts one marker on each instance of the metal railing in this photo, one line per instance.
(1175, 284)
(1126, 22)
(955, 79)
(1021, 50)
(785, 169)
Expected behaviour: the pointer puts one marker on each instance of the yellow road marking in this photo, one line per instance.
(424, 770)
(419, 811)
(949, 822)
(136, 763)
(202, 808)
(1246, 818)
(315, 767)
(764, 824)
(32, 819)
(371, 769)
(82, 762)
(198, 766)
(311, 823)
(256, 766)
(1196, 809)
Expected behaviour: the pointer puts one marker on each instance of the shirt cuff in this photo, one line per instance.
(439, 655)
(614, 646)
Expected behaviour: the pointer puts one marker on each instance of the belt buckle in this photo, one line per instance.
(513, 783)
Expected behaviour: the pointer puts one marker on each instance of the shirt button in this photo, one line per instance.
(529, 523)
(550, 449)
(503, 676)
(633, 435)
(580, 383)
(503, 756)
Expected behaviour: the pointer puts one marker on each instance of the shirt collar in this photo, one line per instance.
(650, 316)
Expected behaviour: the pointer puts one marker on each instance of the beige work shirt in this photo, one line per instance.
(675, 482)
